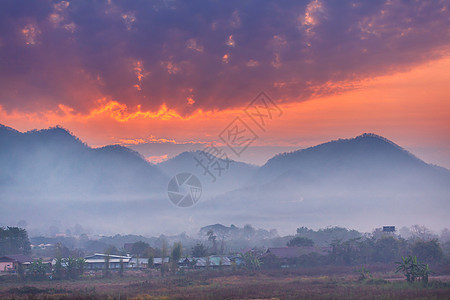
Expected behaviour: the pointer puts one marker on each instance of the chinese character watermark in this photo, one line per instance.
(239, 135)
(213, 160)
(262, 109)
(185, 189)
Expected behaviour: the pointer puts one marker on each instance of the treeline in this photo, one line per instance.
(362, 250)
(350, 247)
(384, 249)
(346, 246)
(63, 268)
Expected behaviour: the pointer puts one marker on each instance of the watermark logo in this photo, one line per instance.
(184, 190)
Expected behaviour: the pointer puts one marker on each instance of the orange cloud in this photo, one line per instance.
(410, 108)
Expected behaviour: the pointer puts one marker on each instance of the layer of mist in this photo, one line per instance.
(50, 179)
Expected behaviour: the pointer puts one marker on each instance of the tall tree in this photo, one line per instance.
(81, 262)
(175, 256)
(427, 250)
(300, 242)
(121, 267)
(164, 255)
(212, 238)
(106, 271)
(58, 268)
(151, 262)
(38, 269)
(140, 248)
(199, 250)
(14, 240)
(71, 267)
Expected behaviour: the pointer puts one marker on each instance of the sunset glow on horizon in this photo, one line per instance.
(336, 70)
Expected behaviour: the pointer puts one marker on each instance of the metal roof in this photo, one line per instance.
(102, 260)
(101, 255)
(158, 260)
(214, 261)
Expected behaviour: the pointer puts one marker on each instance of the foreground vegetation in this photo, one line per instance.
(305, 283)
(344, 264)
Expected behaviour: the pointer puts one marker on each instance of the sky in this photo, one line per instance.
(167, 76)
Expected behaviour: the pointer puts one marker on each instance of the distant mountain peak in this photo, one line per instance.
(363, 137)
(56, 130)
(387, 141)
(369, 150)
(370, 135)
(7, 129)
(375, 136)
(56, 134)
(119, 149)
(55, 161)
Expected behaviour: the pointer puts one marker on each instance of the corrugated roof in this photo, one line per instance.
(102, 260)
(158, 260)
(141, 260)
(102, 256)
(214, 261)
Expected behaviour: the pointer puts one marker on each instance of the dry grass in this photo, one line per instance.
(332, 283)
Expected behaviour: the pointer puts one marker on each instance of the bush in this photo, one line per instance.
(300, 242)
(427, 250)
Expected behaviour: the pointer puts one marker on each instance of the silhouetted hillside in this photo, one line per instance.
(368, 153)
(54, 162)
(235, 174)
(351, 181)
(363, 182)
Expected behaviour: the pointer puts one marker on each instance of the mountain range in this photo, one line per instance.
(358, 182)
(54, 162)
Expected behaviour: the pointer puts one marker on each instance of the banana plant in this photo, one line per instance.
(424, 273)
(404, 267)
(412, 269)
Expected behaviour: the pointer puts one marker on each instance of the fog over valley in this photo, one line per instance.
(54, 182)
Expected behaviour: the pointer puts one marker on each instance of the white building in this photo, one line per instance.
(97, 261)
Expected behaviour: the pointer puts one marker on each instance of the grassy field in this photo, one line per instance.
(339, 283)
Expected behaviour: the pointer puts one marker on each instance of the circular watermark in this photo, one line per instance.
(184, 189)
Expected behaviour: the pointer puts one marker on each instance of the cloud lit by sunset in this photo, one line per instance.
(176, 73)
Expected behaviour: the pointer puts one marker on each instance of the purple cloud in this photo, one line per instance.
(218, 53)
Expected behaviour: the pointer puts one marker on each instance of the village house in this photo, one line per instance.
(10, 263)
(157, 261)
(214, 261)
(97, 261)
(140, 263)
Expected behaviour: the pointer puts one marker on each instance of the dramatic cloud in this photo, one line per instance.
(209, 55)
